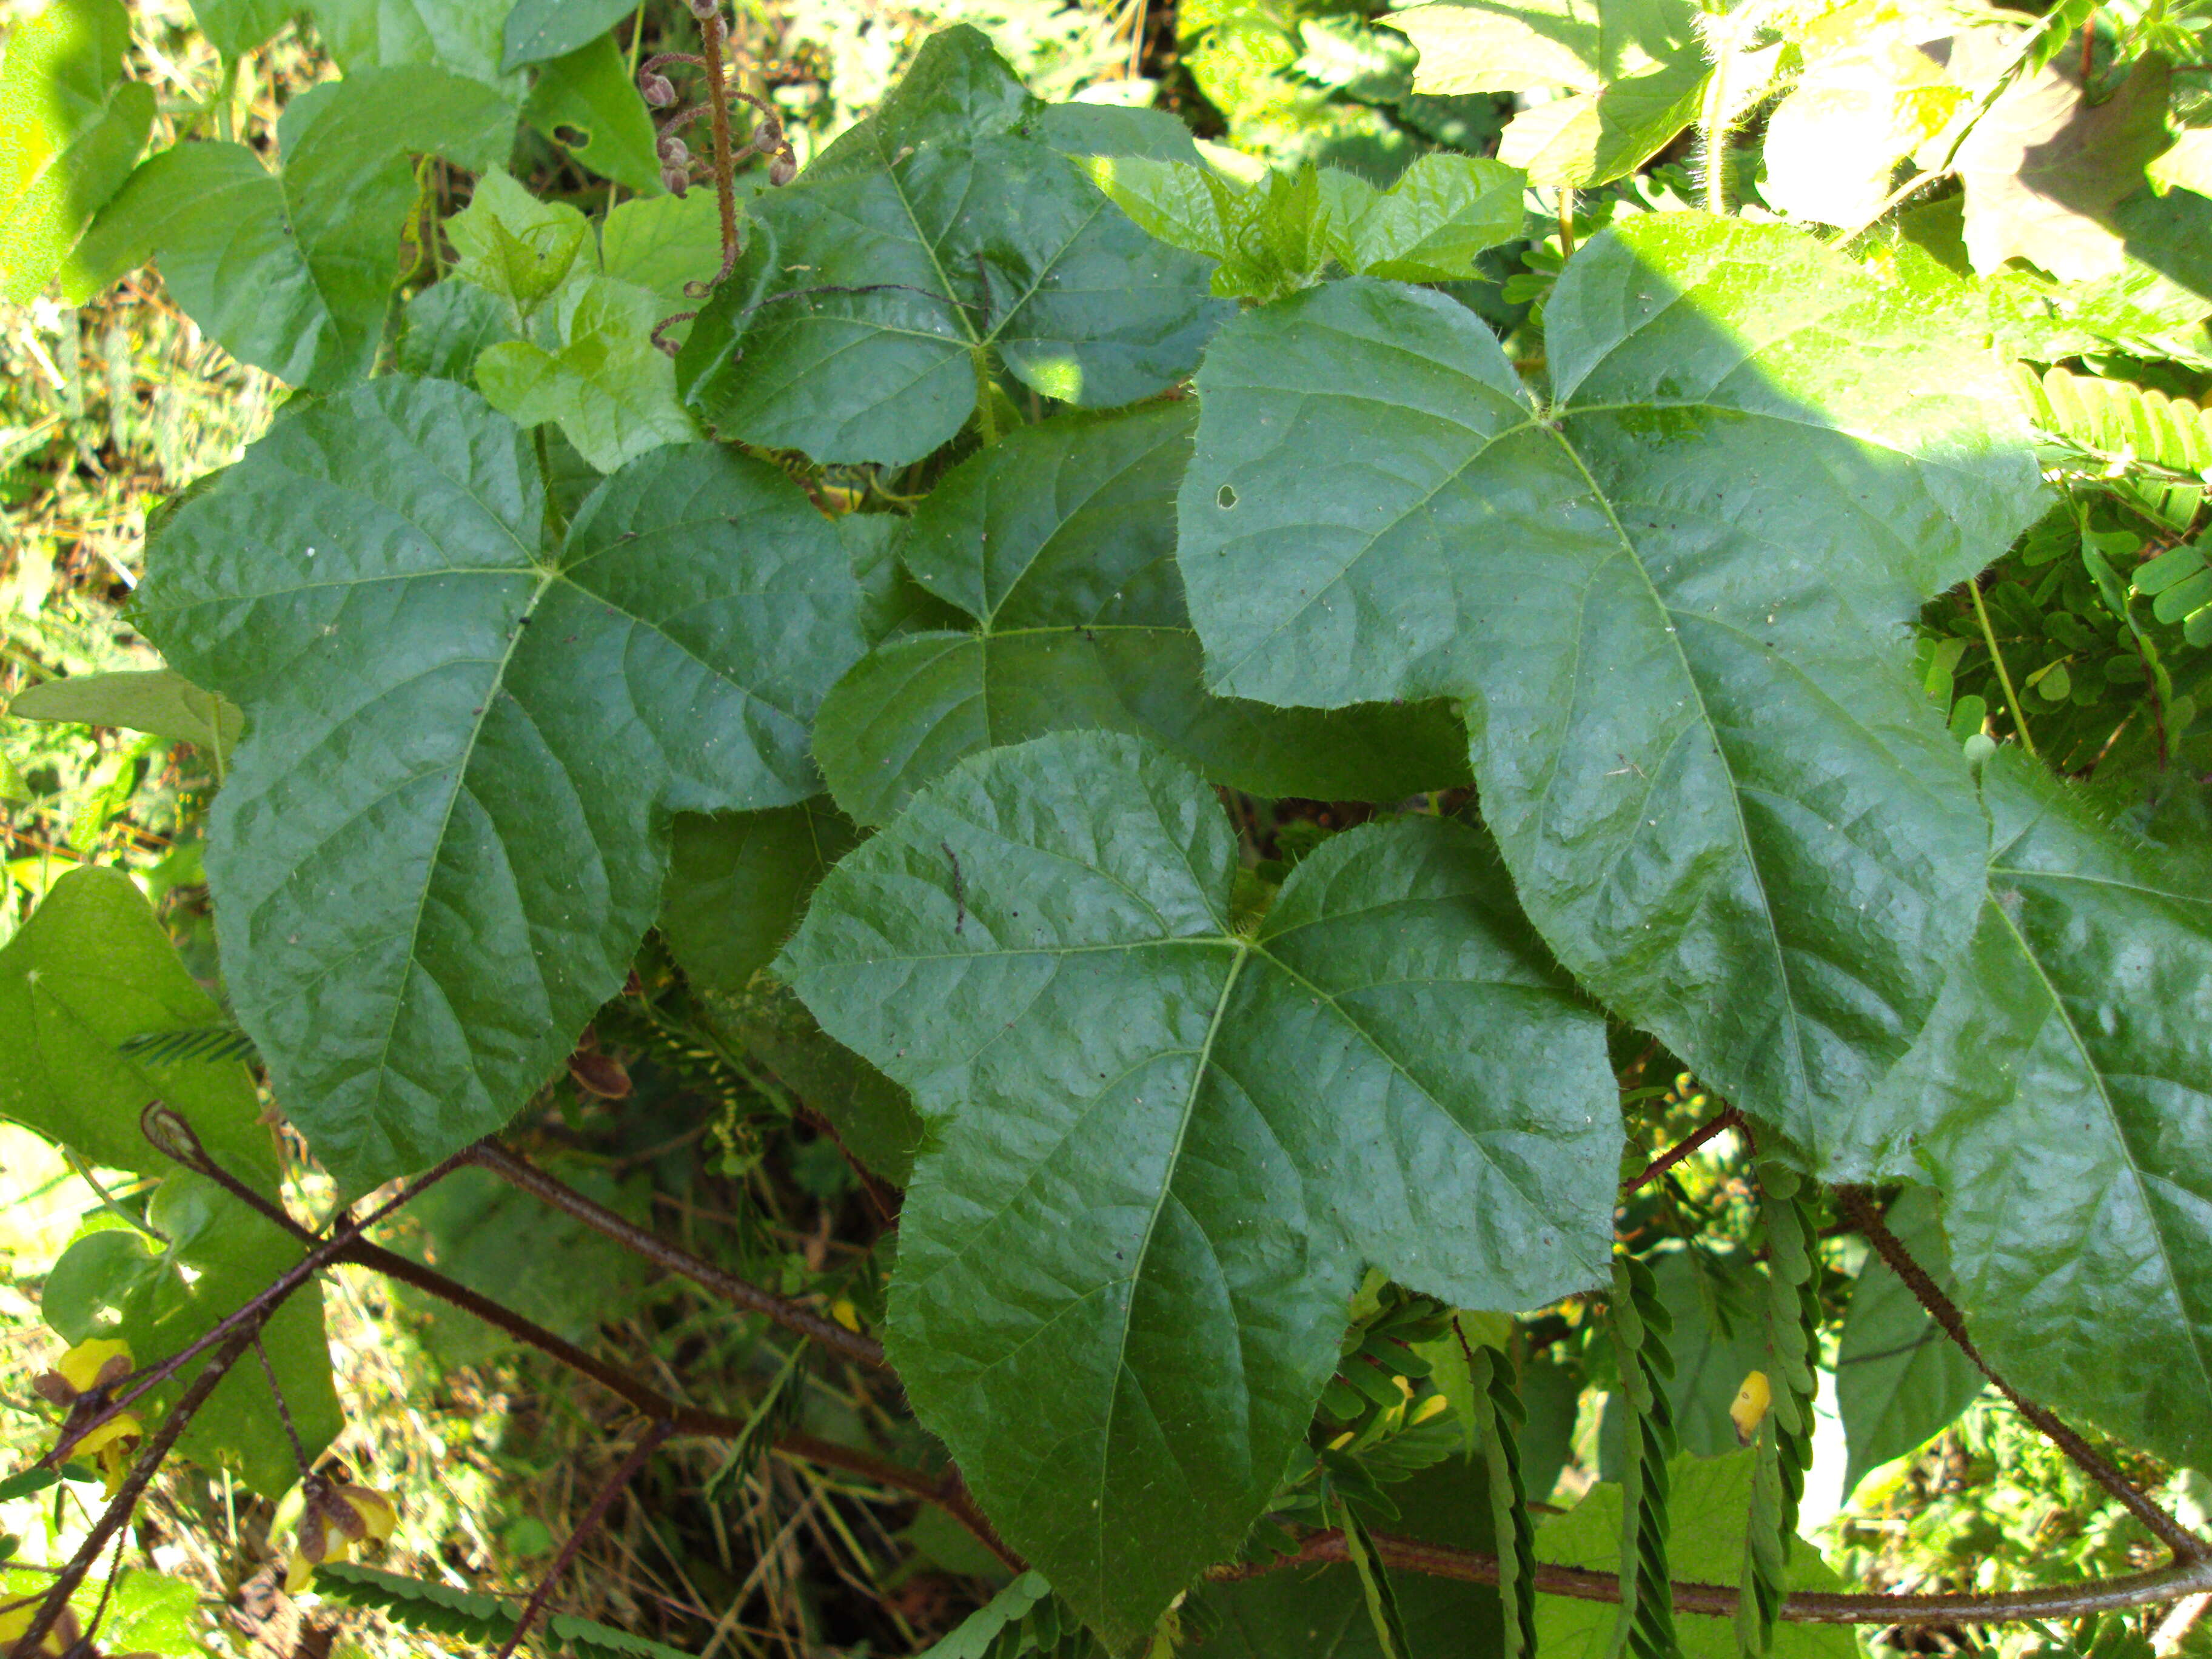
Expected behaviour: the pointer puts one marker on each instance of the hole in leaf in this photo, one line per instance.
(1227, 497)
(573, 137)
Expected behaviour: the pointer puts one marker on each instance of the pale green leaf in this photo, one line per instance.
(461, 37)
(1595, 137)
(662, 242)
(1900, 1380)
(510, 244)
(70, 126)
(1056, 546)
(1672, 600)
(90, 971)
(234, 27)
(1521, 46)
(610, 389)
(1127, 1252)
(973, 1636)
(445, 830)
(160, 701)
(1443, 210)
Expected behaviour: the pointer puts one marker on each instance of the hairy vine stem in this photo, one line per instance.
(2186, 1546)
(1667, 1160)
(647, 1443)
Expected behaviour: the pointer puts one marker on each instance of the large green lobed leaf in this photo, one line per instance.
(1059, 543)
(1672, 597)
(2061, 1101)
(1162, 1149)
(929, 243)
(445, 830)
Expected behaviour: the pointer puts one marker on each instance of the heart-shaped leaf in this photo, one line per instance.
(1672, 599)
(1163, 1146)
(445, 830)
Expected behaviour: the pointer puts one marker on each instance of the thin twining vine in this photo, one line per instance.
(2190, 1572)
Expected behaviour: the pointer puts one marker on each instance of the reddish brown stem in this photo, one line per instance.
(592, 1516)
(1667, 1160)
(718, 102)
(654, 1249)
(2186, 1546)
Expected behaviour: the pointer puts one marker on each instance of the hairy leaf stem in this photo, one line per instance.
(790, 1315)
(2186, 1546)
(647, 1443)
(1667, 1160)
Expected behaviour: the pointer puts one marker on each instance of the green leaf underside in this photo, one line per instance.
(293, 271)
(931, 235)
(1900, 1380)
(2070, 1060)
(160, 701)
(89, 971)
(1707, 1498)
(1161, 1152)
(1059, 543)
(446, 832)
(1669, 602)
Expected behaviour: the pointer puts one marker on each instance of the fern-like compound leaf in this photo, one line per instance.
(1785, 1436)
(1641, 1324)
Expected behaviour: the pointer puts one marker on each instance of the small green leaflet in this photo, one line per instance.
(1162, 1151)
(446, 831)
(928, 243)
(442, 1610)
(2073, 1051)
(1059, 543)
(72, 125)
(1673, 599)
(87, 973)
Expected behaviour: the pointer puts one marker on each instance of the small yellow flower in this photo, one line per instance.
(336, 1516)
(1749, 1410)
(87, 1368)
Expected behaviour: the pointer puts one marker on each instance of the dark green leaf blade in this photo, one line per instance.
(445, 834)
(1671, 602)
(2070, 1060)
(924, 247)
(1059, 543)
(737, 884)
(538, 29)
(1126, 1251)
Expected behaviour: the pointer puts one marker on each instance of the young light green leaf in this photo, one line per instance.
(973, 1636)
(1443, 210)
(1899, 1381)
(610, 389)
(1670, 599)
(1708, 1497)
(70, 126)
(1594, 137)
(2070, 1049)
(662, 242)
(586, 102)
(234, 27)
(160, 701)
(90, 971)
(445, 830)
(536, 30)
(927, 244)
(1059, 543)
(1125, 1256)
(293, 272)
(510, 244)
